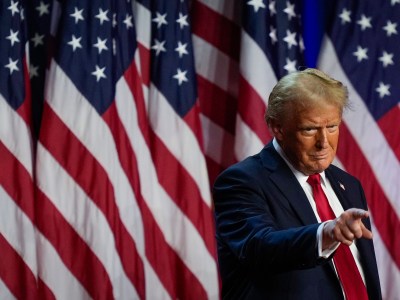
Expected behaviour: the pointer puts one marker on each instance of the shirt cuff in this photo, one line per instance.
(329, 251)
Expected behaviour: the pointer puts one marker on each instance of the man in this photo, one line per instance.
(281, 234)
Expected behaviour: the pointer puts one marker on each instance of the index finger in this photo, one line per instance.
(359, 213)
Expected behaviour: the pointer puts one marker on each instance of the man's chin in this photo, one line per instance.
(318, 167)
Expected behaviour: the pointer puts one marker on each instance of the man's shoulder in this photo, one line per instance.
(249, 169)
(341, 174)
(247, 165)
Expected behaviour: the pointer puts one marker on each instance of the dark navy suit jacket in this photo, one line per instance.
(266, 233)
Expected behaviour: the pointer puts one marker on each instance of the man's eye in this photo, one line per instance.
(309, 131)
(332, 128)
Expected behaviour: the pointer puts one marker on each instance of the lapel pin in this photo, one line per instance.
(342, 186)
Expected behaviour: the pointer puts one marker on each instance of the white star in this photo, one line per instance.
(101, 45)
(160, 19)
(272, 8)
(13, 7)
(290, 65)
(256, 4)
(22, 14)
(99, 73)
(272, 35)
(43, 8)
(102, 16)
(181, 49)
(180, 76)
(128, 21)
(12, 65)
(13, 37)
(361, 53)
(37, 39)
(364, 22)
(386, 59)
(75, 43)
(290, 10)
(33, 71)
(290, 38)
(77, 15)
(390, 28)
(345, 16)
(182, 20)
(394, 2)
(383, 89)
(158, 46)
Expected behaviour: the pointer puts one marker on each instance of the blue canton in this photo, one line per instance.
(13, 37)
(172, 62)
(370, 56)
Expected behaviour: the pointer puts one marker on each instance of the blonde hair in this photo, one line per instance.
(302, 89)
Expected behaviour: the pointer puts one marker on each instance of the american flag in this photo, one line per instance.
(18, 263)
(361, 49)
(123, 202)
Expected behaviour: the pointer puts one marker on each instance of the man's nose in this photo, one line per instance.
(322, 138)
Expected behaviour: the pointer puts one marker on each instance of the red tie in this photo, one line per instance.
(346, 267)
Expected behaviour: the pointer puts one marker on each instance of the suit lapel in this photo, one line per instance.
(339, 189)
(286, 182)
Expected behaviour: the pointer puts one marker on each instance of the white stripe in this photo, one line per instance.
(256, 68)
(143, 24)
(179, 139)
(216, 66)
(5, 293)
(55, 274)
(178, 231)
(366, 132)
(216, 140)
(246, 142)
(85, 217)
(91, 130)
(389, 273)
(18, 230)
(228, 8)
(15, 134)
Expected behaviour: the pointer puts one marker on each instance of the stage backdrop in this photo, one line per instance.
(117, 115)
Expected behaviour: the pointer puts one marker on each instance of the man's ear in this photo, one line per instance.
(276, 129)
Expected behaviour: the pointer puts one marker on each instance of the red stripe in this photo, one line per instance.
(16, 180)
(386, 125)
(252, 109)
(166, 164)
(192, 120)
(178, 280)
(16, 275)
(144, 55)
(217, 104)
(385, 218)
(73, 251)
(216, 30)
(169, 267)
(93, 179)
(44, 292)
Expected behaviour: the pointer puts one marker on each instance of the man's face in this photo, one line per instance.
(309, 137)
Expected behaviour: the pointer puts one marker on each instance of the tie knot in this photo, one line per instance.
(314, 179)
